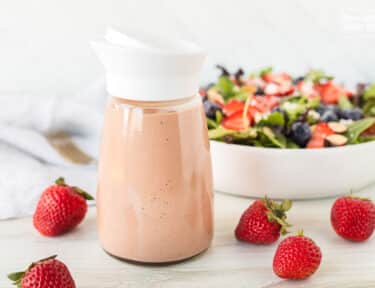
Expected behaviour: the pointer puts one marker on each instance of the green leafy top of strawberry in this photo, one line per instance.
(276, 213)
(61, 182)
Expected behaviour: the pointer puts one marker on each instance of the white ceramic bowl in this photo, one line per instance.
(292, 173)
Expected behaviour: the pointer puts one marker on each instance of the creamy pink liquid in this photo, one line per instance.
(155, 199)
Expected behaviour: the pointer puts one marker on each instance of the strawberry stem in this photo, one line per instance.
(83, 193)
(300, 232)
(276, 213)
(60, 181)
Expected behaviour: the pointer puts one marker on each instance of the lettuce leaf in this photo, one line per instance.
(344, 103)
(369, 92)
(369, 107)
(226, 87)
(269, 139)
(273, 119)
(357, 128)
(220, 132)
(211, 124)
(297, 105)
(265, 71)
(317, 76)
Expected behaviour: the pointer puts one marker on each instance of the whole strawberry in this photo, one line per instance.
(353, 218)
(46, 273)
(297, 257)
(263, 222)
(60, 209)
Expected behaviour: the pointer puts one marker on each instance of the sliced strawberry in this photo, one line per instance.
(315, 143)
(251, 112)
(254, 81)
(275, 89)
(271, 89)
(322, 130)
(278, 78)
(307, 89)
(331, 92)
(320, 133)
(264, 103)
(233, 106)
(234, 122)
(286, 90)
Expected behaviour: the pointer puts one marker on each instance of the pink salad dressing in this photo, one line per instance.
(155, 197)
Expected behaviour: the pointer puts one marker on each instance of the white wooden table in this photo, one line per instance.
(227, 263)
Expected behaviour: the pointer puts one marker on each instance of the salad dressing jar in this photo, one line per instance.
(155, 196)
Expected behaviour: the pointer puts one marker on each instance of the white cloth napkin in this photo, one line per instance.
(28, 163)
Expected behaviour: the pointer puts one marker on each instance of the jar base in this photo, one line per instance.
(144, 263)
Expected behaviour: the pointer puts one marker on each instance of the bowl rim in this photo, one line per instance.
(299, 150)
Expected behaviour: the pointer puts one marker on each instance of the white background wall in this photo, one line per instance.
(44, 43)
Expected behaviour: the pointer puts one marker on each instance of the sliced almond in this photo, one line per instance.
(337, 127)
(336, 140)
(214, 95)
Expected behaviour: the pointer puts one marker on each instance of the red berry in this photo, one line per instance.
(263, 222)
(264, 103)
(353, 218)
(321, 131)
(331, 92)
(46, 273)
(297, 257)
(306, 88)
(233, 106)
(278, 84)
(278, 78)
(235, 122)
(60, 209)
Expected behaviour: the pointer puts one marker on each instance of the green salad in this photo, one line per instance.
(268, 109)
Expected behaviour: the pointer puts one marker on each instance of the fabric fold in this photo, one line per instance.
(28, 161)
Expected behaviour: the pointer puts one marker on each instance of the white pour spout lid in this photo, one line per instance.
(149, 68)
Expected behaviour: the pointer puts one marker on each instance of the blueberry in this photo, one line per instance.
(351, 114)
(321, 109)
(298, 79)
(210, 109)
(300, 133)
(259, 91)
(333, 108)
(329, 116)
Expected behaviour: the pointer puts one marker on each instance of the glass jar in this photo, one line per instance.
(155, 195)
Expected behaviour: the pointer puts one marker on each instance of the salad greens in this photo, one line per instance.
(369, 100)
(316, 76)
(357, 128)
(344, 103)
(268, 109)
